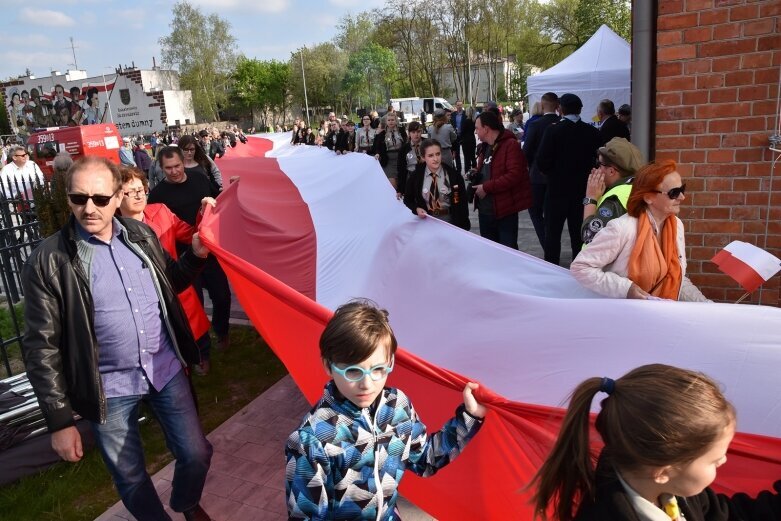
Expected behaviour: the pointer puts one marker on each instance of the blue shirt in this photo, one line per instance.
(459, 117)
(134, 347)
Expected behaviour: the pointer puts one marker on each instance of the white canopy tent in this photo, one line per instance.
(600, 69)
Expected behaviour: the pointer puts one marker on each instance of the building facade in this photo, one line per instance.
(718, 65)
(138, 101)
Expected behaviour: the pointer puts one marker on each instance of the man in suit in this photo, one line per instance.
(457, 119)
(566, 156)
(550, 104)
(610, 125)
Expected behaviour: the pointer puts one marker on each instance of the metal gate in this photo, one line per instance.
(19, 235)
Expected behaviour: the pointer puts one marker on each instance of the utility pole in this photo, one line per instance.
(469, 72)
(73, 50)
(303, 76)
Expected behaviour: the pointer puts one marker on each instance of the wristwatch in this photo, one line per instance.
(588, 200)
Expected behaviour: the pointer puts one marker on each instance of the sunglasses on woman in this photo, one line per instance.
(355, 373)
(98, 200)
(675, 192)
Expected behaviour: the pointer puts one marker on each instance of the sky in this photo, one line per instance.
(109, 33)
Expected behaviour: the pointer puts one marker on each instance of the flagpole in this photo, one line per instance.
(741, 299)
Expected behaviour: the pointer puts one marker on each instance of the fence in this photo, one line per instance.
(19, 235)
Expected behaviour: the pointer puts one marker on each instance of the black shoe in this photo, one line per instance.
(196, 514)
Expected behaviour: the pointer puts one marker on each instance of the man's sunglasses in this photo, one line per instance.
(21, 155)
(675, 192)
(99, 200)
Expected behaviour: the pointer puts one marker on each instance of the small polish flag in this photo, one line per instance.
(748, 265)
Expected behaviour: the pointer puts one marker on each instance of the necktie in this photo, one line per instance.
(433, 194)
(670, 506)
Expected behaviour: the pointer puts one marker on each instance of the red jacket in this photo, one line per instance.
(509, 183)
(170, 230)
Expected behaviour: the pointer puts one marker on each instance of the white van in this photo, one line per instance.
(409, 109)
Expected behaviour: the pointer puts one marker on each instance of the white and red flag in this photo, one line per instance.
(305, 230)
(747, 264)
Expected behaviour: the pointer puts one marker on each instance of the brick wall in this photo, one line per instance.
(717, 81)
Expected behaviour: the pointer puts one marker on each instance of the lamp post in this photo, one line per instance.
(303, 76)
(108, 96)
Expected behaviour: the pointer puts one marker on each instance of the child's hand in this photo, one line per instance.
(472, 406)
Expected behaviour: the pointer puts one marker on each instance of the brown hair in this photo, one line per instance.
(169, 152)
(428, 143)
(93, 161)
(647, 181)
(355, 331)
(200, 156)
(439, 120)
(130, 172)
(655, 415)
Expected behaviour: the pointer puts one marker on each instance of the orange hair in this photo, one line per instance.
(647, 181)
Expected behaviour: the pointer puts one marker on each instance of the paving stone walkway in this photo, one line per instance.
(246, 481)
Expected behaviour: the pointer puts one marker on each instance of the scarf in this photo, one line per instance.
(653, 268)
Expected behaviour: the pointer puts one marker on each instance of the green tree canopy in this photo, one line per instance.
(261, 86)
(616, 14)
(204, 51)
(371, 74)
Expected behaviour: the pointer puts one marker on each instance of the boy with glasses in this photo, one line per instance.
(331, 447)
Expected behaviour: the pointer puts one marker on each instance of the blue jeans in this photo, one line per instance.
(504, 230)
(120, 444)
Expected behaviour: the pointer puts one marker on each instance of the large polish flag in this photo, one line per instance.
(305, 230)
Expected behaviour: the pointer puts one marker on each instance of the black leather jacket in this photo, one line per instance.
(59, 345)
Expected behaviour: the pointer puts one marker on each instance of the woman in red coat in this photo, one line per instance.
(170, 230)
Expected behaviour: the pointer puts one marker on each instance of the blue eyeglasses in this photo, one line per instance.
(356, 374)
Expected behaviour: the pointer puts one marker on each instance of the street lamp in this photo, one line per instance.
(303, 76)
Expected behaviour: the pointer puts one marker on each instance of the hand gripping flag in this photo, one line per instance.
(305, 230)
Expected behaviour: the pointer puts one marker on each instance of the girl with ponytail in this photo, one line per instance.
(666, 430)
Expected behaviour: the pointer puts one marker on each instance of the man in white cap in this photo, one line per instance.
(126, 153)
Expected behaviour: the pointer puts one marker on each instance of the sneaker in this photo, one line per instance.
(196, 514)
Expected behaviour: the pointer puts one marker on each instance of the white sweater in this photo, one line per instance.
(603, 266)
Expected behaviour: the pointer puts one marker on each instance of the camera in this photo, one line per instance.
(473, 179)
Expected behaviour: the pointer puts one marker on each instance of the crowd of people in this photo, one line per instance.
(552, 163)
(129, 269)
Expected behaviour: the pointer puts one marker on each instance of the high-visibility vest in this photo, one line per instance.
(621, 191)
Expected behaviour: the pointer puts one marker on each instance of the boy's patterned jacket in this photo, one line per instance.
(340, 454)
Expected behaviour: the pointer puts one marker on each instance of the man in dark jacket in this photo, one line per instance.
(566, 156)
(610, 125)
(502, 189)
(533, 138)
(104, 331)
(457, 119)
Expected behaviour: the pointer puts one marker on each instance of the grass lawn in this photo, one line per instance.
(83, 490)
(10, 328)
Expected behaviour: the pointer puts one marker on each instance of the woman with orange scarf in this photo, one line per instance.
(641, 254)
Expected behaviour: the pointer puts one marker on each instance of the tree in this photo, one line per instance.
(262, 88)
(204, 51)
(324, 66)
(616, 14)
(371, 74)
(5, 126)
